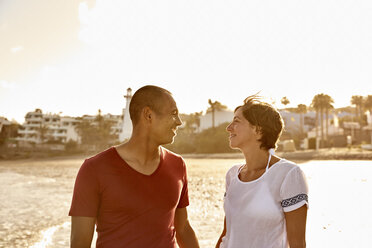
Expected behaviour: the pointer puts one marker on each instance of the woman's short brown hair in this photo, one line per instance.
(265, 117)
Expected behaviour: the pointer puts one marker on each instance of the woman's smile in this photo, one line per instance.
(232, 136)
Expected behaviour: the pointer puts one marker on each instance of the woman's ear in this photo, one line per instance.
(258, 131)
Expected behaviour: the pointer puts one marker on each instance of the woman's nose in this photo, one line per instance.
(228, 128)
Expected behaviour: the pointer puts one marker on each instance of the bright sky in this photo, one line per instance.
(76, 57)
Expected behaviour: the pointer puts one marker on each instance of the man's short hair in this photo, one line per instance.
(148, 96)
(265, 117)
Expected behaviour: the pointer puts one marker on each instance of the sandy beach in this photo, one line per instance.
(36, 194)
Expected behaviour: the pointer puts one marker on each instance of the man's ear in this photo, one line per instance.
(147, 114)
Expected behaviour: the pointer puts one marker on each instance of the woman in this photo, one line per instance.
(266, 198)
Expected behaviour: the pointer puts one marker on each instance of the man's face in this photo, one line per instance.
(165, 122)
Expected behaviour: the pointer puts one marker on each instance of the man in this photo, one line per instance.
(136, 192)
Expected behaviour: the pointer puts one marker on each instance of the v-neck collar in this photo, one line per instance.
(127, 166)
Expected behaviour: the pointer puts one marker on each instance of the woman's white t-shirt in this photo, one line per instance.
(255, 210)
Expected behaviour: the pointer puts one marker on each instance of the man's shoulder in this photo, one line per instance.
(167, 154)
(103, 156)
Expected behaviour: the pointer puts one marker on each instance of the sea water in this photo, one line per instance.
(35, 198)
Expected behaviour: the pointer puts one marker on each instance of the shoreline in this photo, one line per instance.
(321, 154)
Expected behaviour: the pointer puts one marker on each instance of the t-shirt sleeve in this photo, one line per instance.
(294, 190)
(86, 197)
(229, 174)
(184, 199)
(227, 184)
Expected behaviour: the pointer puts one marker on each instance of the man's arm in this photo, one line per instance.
(222, 234)
(296, 227)
(185, 235)
(82, 230)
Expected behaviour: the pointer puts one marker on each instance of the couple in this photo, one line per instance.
(136, 193)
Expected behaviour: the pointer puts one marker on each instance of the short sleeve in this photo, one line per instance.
(294, 190)
(86, 196)
(184, 199)
(227, 180)
(230, 173)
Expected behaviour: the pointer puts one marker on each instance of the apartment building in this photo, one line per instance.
(115, 120)
(3, 122)
(39, 128)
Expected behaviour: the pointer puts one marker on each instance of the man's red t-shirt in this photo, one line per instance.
(132, 209)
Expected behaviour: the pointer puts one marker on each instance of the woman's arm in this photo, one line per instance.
(222, 234)
(296, 227)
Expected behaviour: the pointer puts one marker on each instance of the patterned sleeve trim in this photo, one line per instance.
(294, 200)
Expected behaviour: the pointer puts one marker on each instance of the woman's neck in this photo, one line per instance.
(255, 158)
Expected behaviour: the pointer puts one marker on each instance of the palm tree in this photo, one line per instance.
(368, 103)
(104, 134)
(302, 109)
(96, 133)
(327, 104)
(358, 102)
(316, 104)
(215, 106)
(322, 103)
(192, 122)
(284, 101)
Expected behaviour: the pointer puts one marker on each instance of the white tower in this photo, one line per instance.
(126, 127)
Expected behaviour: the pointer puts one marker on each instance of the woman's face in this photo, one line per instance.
(242, 133)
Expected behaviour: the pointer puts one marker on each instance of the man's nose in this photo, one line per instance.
(178, 121)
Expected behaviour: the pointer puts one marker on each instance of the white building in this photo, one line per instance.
(28, 132)
(126, 128)
(3, 122)
(221, 116)
(292, 121)
(115, 120)
(333, 128)
(368, 128)
(39, 127)
(68, 127)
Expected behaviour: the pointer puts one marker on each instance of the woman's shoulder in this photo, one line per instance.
(234, 169)
(231, 173)
(286, 166)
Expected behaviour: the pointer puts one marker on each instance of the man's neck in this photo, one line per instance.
(139, 150)
(143, 148)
